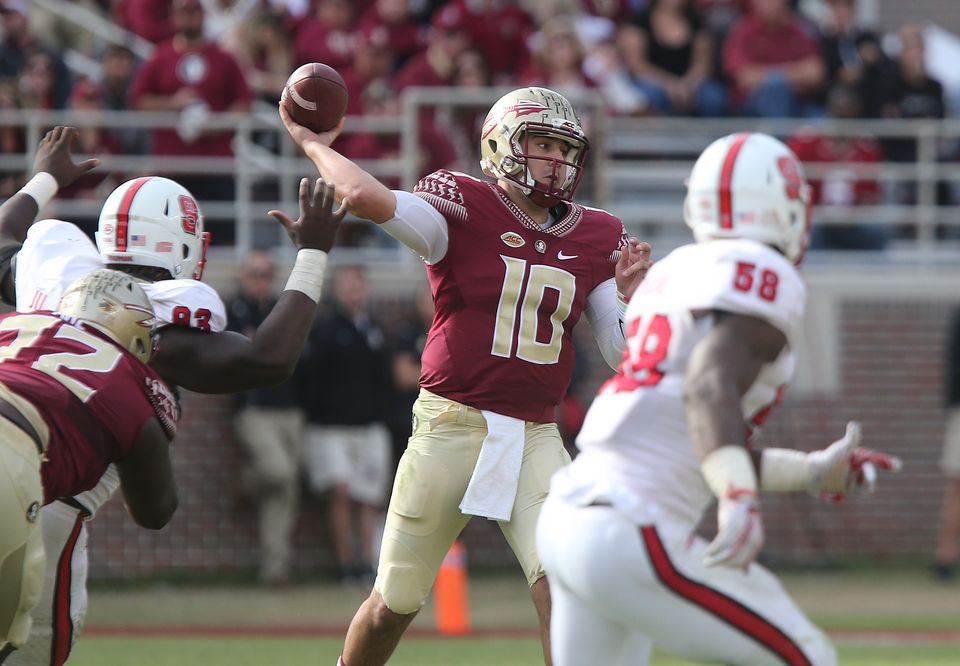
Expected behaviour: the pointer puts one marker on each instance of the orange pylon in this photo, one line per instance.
(450, 593)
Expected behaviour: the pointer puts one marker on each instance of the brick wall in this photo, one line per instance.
(890, 335)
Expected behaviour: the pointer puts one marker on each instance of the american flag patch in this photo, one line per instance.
(163, 246)
(138, 239)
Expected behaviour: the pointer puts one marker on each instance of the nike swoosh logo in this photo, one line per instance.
(563, 257)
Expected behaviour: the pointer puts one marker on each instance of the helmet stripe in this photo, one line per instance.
(123, 214)
(726, 175)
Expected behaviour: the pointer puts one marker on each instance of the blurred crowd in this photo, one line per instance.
(749, 58)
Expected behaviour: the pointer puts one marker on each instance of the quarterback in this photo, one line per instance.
(512, 263)
(153, 228)
(710, 337)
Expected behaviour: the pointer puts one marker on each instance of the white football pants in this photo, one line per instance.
(617, 588)
(59, 615)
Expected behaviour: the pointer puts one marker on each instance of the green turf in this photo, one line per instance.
(98, 651)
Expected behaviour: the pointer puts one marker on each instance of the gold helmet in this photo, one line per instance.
(115, 304)
(506, 132)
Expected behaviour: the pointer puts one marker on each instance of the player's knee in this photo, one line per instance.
(402, 593)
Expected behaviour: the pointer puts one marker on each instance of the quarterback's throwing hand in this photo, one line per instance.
(845, 466)
(54, 156)
(318, 223)
(739, 531)
(302, 136)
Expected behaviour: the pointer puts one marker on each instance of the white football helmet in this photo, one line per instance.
(750, 185)
(115, 304)
(153, 221)
(507, 129)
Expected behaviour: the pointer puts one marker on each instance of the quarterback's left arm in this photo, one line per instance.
(605, 312)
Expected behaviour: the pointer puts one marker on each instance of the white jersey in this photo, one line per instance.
(635, 449)
(57, 253)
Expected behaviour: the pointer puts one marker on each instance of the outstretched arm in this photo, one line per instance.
(228, 362)
(53, 168)
(369, 198)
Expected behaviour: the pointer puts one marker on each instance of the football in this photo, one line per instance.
(315, 96)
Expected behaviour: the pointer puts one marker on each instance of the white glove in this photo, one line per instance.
(845, 467)
(739, 531)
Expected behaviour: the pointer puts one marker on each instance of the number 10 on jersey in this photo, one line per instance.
(528, 288)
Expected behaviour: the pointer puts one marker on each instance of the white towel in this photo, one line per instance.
(493, 485)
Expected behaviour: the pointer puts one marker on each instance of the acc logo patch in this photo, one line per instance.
(512, 239)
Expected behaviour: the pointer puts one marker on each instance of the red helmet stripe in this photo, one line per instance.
(123, 214)
(726, 175)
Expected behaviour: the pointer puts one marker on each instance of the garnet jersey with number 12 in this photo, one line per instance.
(636, 429)
(508, 294)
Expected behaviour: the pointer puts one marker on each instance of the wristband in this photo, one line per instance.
(729, 469)
(42, 187)
(306, 276)
(784, 470)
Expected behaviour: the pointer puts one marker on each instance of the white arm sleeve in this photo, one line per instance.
(419, 226)
(605, 312)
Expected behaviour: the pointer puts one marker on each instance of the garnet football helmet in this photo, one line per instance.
(506, 133)
(153, 221)
(750, 185)
(115, 304)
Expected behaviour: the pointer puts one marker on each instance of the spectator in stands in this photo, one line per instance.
(447, 39)
(911, 93)
(669, 52)
(223, 20)
(773, 63)
(150, 19)
(195, 77)
(12, 139)
(853, 56)
(373, 60)
(265, 54)
(117, 69)
(87, 97)
(401, 28)
(347, 445)
(58, 33)
(269, 426)
(48, 81)
(947, 553)
(557, 61)
(842, 186)
(405, 347)
(327, 35)
(500, 29)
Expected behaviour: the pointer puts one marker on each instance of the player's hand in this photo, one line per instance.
(739, 531)
(632, 266)
(318, 223)
(303, 136)
(54, 155)
(845, 466)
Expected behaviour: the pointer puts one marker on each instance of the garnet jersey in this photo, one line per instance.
(508, 294)
(56, 253)
(634, 443)
(93, 395)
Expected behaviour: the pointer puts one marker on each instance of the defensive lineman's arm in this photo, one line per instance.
(228, 362)
(146, 478)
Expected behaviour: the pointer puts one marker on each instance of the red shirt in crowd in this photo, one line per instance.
(318, 42)
(501, 35)
(754, 42)
(841, 186)
(212, 72)
(148, 18)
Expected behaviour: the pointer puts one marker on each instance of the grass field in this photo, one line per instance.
(876, 617)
